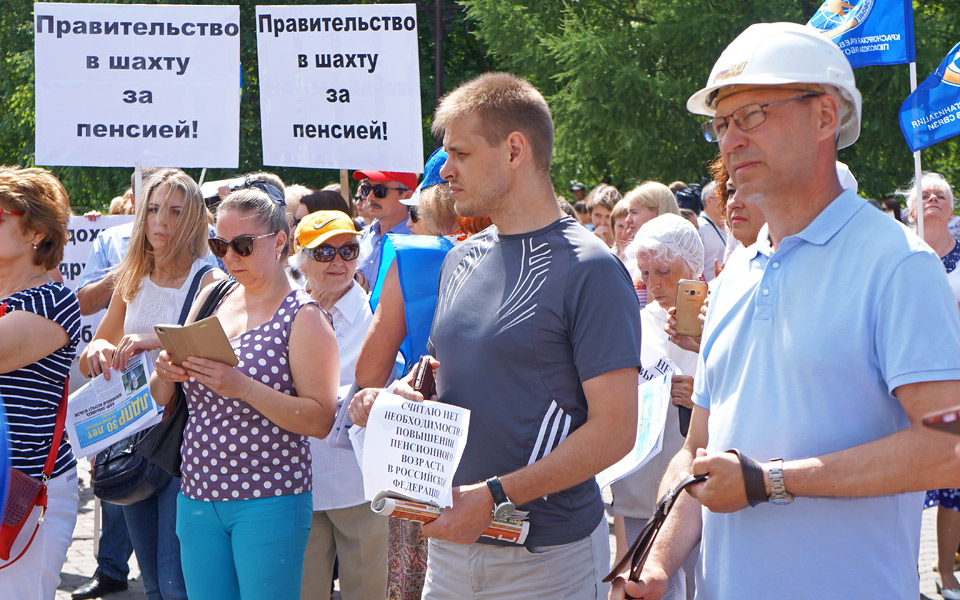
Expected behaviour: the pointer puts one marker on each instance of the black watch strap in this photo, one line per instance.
(496, 489)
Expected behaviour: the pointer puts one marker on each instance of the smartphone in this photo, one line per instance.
(948, 420)
(691, 295)
(423, 380)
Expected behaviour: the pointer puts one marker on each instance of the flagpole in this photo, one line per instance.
(918, 193)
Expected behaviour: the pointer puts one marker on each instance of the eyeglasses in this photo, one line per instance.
(9, 212)
(327, 253)
(379, 191)
(746, 117)
(414, 215)
(242, 244)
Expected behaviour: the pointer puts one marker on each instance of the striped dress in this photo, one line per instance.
(31, 394)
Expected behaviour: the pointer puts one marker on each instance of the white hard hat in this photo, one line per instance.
(781, 54)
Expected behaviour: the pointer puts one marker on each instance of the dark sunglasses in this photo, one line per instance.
(327, 253)
(414, 215)
(379, 191)
(242, 244)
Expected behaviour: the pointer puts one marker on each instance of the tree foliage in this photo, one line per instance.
(463, 57)
(617, 74)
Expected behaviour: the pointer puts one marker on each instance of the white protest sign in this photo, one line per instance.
(103, 412)
(413, 448)
(118, 84)
(83, 233)
(340, 87)
(654, 399)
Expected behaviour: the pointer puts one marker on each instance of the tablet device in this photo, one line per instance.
(203, 339)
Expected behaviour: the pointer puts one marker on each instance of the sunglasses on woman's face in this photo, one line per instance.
(414, 215)
(327, 253)
(242, 244)
(379, 191)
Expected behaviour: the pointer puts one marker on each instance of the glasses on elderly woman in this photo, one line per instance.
(327, 253)
(9, 212)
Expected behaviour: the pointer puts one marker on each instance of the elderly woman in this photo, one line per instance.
(666, 250)
(244, 509)
(343, 525)
(936, 205)
(38, 341)
(648, 200)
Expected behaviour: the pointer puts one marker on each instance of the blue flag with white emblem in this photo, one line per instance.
(870, 32)
(931, 113)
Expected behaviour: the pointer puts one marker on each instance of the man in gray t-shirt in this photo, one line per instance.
(537, 331)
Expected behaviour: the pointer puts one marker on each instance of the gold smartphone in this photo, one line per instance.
(691, 295)
(203, 339)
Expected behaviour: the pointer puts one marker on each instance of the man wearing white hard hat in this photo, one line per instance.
(803, 368)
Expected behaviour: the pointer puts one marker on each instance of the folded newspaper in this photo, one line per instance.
(394, 504)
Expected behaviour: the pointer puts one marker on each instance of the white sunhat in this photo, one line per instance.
(781, 54)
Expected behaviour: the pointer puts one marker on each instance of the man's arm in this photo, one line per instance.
(681, 531)
(914, 459)
(95, 296)
(606, 437)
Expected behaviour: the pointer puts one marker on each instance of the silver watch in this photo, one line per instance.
(778, 492)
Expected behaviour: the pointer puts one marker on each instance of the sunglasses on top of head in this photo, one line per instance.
(379, 191)
(242, 244)
(327, 253)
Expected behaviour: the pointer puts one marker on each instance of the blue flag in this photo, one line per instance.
(870, 32)
(931, 113)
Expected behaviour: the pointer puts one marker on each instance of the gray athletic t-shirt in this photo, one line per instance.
(521, 321)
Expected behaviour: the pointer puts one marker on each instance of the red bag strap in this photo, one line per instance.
(57, 432)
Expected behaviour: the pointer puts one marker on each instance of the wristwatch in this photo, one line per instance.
(503, 507)
(778, 492)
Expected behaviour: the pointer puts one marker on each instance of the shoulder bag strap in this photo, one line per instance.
(215, 296)
(57, 432)
(192, 292)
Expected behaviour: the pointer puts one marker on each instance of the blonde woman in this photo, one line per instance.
(647, 201)
(166, 254)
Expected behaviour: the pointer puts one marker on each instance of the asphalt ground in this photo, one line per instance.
(81, 562)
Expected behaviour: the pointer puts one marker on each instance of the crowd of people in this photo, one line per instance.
(831, 329)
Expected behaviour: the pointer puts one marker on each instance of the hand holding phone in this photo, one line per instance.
(691, 295)
(423, 380)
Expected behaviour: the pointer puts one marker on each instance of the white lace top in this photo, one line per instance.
(155, 305)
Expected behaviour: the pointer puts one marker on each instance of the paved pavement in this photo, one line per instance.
(81, 562)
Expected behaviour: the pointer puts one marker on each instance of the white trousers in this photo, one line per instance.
(37, 574)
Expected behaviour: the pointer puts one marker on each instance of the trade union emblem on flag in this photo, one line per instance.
(870, 32)
(931, 113)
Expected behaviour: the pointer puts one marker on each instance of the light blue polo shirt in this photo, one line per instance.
(801, 352)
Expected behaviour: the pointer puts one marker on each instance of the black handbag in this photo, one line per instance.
(162, 444)
(121, 475)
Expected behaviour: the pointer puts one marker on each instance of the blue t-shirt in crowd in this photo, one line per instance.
(521, 321)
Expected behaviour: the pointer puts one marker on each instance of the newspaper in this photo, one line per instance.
(104, 412)
(654, 400)
(393, 504)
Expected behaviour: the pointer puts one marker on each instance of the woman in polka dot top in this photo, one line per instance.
(244, 511)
